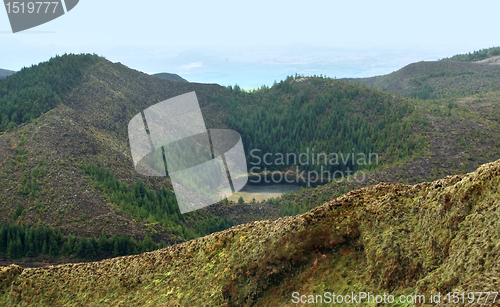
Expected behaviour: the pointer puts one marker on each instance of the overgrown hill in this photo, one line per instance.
(4, 73)
(460, 130)
(65, 161)
(460, 133)
(482, 55)
(439, 79)
(449, 136)
(66, 167)
(65, 164)
(440, 236)
(308, 116)
(169, 76)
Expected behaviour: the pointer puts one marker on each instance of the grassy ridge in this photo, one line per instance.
(438, 79)
(436, 236)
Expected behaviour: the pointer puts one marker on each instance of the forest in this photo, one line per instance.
(321, 115)
(155, 208)
(21, 241)
(32, 91)
(476, 55)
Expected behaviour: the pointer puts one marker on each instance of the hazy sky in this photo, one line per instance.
(254, 42)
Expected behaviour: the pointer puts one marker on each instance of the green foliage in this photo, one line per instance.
(241, 200)
(312, 116)
(18, 242)
(156, 207)
(18, 212)
(32, 91)
(476, 55)
(290, 209)
(30, 182)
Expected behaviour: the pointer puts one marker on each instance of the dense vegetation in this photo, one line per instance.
(476, 55)
(387, 239)
(18, 241)
(155, 207)
(32, 91)
(322, 119)
(40, 161)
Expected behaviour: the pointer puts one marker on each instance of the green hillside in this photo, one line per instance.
(479, 55)
(69, 166)
(33, 91)
(461, 134)
(67, 170)
(387, 239)
(438, 79)
(311, 116)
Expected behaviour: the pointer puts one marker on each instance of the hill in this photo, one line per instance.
(5, 73)
(66, 163)
(60, 155)
(66, 167)
(169, 76)
(387, 239)
(482, 55)
(439, 79)
(307, 116)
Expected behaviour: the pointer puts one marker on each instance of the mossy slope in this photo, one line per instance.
(434, 236)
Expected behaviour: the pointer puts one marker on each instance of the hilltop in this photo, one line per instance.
(461, 75)
(5, 73)
(439, 236)
(58, 154)
(439, 79)
(169, 76)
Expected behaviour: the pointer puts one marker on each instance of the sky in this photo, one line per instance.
(254, 43)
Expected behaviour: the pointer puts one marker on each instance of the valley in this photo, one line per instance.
(70, 197)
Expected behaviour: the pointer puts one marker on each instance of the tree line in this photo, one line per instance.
(158, 207)
(21, 241)
(321, 115)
